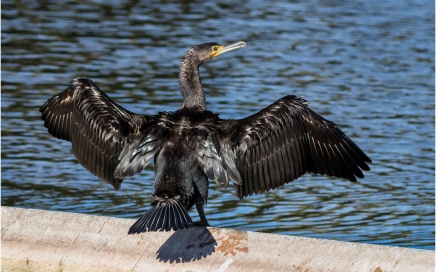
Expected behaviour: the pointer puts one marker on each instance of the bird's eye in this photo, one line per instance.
(215, 48)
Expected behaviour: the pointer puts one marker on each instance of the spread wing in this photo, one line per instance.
(101, 132)
(284, 141)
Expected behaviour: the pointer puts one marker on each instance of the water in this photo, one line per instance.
(366, 65)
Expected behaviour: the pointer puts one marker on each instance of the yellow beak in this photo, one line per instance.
(218, 50)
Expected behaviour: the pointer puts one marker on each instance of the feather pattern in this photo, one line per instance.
(165, 215)
(139, 151)
(98, 128)
(287, 139)
(216, 162)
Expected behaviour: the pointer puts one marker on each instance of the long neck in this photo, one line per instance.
(190, 84)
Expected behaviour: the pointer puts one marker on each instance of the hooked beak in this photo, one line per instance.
(227, 48)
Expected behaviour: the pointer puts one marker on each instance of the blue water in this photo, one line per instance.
(366, 65)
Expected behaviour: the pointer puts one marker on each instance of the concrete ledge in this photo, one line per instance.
(36, 240)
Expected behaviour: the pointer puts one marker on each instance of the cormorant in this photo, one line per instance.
(192, 145)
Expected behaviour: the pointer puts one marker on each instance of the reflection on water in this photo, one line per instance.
(366, 65)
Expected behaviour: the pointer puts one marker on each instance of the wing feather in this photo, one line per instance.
(213, 158)
(287, 139)
(97, 127)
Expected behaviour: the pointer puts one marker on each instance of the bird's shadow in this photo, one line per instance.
(187, 245)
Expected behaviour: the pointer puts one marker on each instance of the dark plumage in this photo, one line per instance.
(192, 145)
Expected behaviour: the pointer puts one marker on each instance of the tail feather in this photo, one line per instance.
(163, 216)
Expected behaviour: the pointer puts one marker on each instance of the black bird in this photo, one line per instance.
(192, 145)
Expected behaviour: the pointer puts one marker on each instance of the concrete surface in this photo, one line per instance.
(36, 240)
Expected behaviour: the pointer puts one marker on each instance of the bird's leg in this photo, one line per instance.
(199, 205)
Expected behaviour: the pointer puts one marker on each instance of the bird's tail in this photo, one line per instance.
(166, 214)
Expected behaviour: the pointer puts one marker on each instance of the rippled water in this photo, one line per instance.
(366, 65)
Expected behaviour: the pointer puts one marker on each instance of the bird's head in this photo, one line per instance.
(207, 51)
